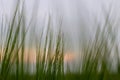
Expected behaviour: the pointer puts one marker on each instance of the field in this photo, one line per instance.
(99, 58)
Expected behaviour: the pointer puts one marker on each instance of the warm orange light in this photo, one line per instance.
(68, 57)
(30, 56)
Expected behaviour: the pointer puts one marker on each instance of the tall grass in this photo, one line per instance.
(49, 51)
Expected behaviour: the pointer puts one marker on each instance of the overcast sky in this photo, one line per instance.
(73, 11)
(78, 15)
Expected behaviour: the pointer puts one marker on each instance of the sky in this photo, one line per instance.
(71, 10)
(78, 16)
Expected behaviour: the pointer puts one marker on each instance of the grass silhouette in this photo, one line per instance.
(96, 61)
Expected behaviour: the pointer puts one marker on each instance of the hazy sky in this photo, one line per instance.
(78, 16)
(73, 11)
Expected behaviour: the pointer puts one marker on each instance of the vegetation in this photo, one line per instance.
(97, 63)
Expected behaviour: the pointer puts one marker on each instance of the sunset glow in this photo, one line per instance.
(30, 56)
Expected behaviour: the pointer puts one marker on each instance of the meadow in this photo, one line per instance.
(99, 58)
